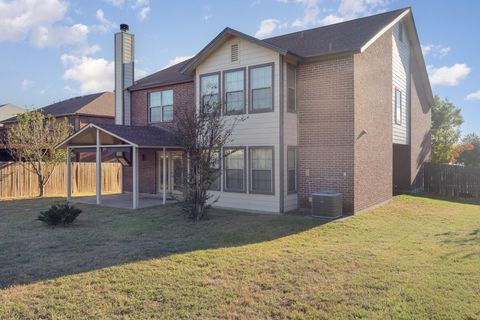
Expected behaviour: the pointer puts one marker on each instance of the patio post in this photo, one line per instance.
(98, 170)
(135, 176)
(164, 176)
(69, 175)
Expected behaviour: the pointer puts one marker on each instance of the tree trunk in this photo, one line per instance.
(40, 185)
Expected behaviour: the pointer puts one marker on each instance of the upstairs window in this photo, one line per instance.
(261, 88)
(398, 106)
(234, 84)
(209, 91)
(291, 88)
(160, 106)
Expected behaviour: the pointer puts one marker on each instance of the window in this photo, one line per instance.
(400, 32)
(234, 164)
(216, 165)
(292, 169)
(261, 88)
(234, 84)
(398, 106)
(261, 170)
(209, 91)
(291, 87)
(160, 105)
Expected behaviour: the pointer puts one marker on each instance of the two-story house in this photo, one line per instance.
(343, 107)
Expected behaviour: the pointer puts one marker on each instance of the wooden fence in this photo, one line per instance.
(17, 181)
(452, 181)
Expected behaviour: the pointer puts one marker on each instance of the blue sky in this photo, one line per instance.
(55, 49)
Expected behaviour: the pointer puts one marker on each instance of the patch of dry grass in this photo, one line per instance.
(414, 258)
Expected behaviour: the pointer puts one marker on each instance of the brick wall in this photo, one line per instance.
(147, 172)
(373, 113)
(183, 97)
(84, 120)
(420, 127)
(325, 114)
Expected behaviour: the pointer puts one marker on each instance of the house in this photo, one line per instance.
(7, 110)
(343, 107)
(80, 111)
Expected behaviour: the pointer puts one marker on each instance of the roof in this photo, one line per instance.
(345, 37)
(142, 136)
(96, 104)
(348, 36)
(112, 134)
(9, 110)
(168, 76)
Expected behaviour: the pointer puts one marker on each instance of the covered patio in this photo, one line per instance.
(126, 142)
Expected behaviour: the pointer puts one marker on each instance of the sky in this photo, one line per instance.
(55, 49)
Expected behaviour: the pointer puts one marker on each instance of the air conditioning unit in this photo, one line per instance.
(327, 204)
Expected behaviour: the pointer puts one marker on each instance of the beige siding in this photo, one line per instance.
(401, 81)
(260, 129)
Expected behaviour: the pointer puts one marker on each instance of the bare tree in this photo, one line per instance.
(202, 135)
(32, 141)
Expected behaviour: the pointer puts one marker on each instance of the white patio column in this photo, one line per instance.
(164, 176)
(188, 164)
(135, 177)
(99, 170)
(69, 175)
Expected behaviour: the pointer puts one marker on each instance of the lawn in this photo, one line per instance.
(411, 259)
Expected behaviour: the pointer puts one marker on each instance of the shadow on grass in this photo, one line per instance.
(103, 237)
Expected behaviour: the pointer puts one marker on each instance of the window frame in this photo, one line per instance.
(161, 106)
(224, 91)
(289, 109)
(294, 148)
(218, 74)
(250, 96)
(250, 171)
(224, 169)
(398, 121)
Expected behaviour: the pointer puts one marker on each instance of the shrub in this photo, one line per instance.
(59, 213)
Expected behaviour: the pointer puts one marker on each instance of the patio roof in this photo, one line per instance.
(112, 134)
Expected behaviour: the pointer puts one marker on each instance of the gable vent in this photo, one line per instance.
(234, 52)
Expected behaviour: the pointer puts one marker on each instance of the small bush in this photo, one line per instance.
(59, 213)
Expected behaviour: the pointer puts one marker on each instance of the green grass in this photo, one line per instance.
(411, 259)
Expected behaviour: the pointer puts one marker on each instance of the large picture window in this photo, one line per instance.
(261, 88)
(234, 86)
(261, 170)
(398, 106)
(291, 88)
(160, 106)
(292, 169)
(209, 91)
(234, 168)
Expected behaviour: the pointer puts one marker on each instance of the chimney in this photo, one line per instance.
(124, 77)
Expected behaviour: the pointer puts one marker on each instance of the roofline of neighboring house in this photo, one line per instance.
(156, 85)
(14, 119)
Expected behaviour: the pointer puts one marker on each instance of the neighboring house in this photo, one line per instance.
(93, 108)
(7, 110)
(343, 107)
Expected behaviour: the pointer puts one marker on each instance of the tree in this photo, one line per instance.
(446, 122)
(470, 155)
(202, 135)
(32, 141)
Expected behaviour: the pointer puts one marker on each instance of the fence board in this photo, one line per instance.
(452, 181)
(17, 181)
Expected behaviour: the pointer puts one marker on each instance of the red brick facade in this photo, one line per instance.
(183, 97)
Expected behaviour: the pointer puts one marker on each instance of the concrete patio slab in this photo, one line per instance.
(124, 200)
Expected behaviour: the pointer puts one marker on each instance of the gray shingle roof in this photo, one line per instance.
(348, 36)
(144, 136)
(171, 75)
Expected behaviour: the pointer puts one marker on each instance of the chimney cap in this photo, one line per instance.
(124, 27)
